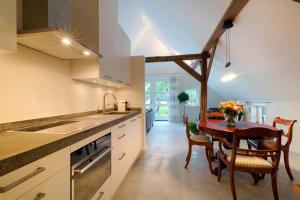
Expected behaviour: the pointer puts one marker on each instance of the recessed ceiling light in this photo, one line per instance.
(87, 53)
(66, 41)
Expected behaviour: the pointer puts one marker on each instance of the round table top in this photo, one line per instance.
(219, 127)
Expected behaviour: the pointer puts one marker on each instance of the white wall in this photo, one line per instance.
(35, 85)
(287, 110)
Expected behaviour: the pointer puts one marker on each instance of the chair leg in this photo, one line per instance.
(274, 184)
(212, 150)
(219, 168)
(287, 164)
(249, 146)
(208, 156)
(188, 156)
(231, 174)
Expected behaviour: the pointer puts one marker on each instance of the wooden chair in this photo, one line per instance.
(216, 116)
(267, 144)
(252, 161)
(200, 140)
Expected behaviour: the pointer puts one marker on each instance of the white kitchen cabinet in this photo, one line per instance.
(8, 26)
(108, 16)
(126, 147)
(123, 56)
(57, 187)
(34, 174)
(104, 193)
(114, 46)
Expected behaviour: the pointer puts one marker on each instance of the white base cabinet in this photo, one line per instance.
(126, 143)
(104, 193)
(35, 174)
(57, 187)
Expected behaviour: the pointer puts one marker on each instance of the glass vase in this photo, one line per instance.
(231, 120)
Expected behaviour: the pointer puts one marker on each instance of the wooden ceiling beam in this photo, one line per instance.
(235, 7)
(176, 57)
(211, 59)
(189, 70)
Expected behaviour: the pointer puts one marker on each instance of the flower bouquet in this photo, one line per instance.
(232, 110)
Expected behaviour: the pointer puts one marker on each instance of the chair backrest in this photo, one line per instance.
(187, 127)
(257, 133)
(289, 124)
(215, 115)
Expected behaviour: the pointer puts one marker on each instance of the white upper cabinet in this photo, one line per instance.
(114, 46)
(123, 52)
(108, 12)
(8, 26)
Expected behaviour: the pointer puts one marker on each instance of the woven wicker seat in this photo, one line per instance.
(200, 138)
(250, 161)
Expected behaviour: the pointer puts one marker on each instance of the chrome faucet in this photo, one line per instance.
(104, 97)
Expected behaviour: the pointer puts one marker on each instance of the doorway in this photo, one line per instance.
(157, 97)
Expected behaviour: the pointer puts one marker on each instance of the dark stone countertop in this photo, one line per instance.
(18, 148)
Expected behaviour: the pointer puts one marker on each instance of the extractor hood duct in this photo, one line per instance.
(48, 26)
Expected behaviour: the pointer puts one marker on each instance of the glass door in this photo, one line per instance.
(161, 93)
(157, 97)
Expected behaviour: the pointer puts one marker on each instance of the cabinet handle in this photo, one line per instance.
(122, 126)
(120, 81)
(109, 77)
(22, 180)
(100, 195)
(39, 196)
(122, 136)
(139, 117)
(132, 120)
(123, 155)
(80, 171)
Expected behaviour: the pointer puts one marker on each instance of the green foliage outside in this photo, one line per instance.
(163, 110)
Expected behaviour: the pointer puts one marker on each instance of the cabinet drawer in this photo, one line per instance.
(104, 193)
(119, 129)
(120, 167)
(57, 187)
(20, 181)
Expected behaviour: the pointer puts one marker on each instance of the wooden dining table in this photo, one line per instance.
(219, 129)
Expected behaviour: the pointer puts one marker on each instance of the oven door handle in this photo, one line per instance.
(79, 171)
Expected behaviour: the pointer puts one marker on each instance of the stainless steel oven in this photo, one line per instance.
(91, 166)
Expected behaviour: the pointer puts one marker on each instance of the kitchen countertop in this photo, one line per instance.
(19, 148)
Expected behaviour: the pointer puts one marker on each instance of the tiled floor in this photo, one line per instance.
(159, 174)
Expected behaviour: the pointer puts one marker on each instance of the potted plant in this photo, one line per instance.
(232, 110)
(183, 99)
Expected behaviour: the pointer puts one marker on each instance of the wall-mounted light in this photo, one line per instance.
(228, 75)
(66, 41)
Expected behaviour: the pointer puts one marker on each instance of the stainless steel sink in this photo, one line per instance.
(44, 126)
(118, 113)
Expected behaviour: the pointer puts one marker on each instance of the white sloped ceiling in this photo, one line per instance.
(265, 42)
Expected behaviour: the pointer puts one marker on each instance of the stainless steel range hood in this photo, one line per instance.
(47, 26)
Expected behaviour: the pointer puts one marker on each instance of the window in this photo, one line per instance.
(257, 112)
(193, 96)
